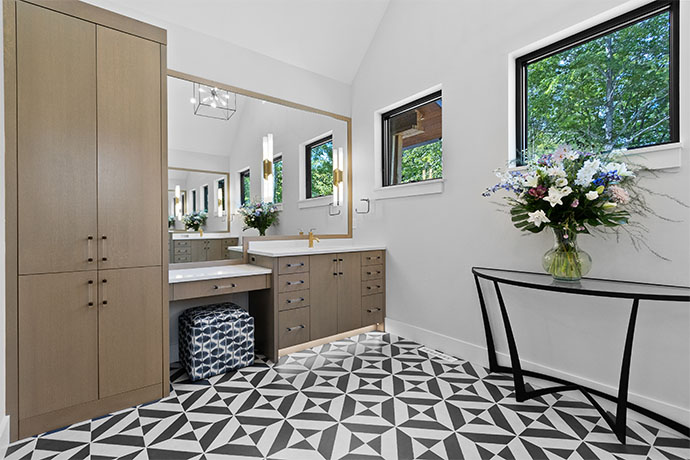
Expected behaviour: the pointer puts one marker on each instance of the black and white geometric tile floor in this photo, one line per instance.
(370, 396)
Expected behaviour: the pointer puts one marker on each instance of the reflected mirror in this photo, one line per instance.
(232, 154)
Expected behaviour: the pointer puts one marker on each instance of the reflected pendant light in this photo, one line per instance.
(212, 102)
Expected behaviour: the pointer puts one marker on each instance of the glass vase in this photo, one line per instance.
(565, 261)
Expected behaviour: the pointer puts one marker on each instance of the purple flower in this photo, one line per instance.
(575, 203)
(537, 192)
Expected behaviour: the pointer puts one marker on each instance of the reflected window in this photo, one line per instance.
(319, 167)
(245, 198)
(204, 195)
(413, 141)
(278, 179)
(193, 200)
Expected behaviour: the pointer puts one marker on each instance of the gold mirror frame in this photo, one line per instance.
(227, 181)
(294, 105)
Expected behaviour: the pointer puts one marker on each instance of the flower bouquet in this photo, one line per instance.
(195, 220)
(571, 192)
(259, 216)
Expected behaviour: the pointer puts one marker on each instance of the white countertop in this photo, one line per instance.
(183, 275)
(284, 248)
(196, 236)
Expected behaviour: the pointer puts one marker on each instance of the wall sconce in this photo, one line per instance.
(267, 186)
(338, 160)
(178, 202)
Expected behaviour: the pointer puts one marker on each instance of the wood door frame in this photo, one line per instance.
(98, 16)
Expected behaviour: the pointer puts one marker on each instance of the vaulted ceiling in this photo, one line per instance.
(327, 37)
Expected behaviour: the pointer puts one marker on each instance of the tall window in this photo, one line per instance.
(193, 198)
(614, 86)
(245, 197)
(413, 141)
(204, 195)
(278, 179)
(319, 167)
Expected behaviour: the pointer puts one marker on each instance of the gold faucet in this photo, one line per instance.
(312, 238)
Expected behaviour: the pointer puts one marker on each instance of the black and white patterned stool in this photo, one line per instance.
(215, 339)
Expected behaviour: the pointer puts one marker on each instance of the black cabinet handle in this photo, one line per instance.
(373, 310)
(301, 264)
(292, 283)
(301, 299)
(295, 328)
(232, 285)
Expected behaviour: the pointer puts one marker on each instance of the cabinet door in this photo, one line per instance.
(130, 329)
(58, 341)
(129, 150)
(214, 251)
(198, 251)
(349, 292)
(56, 141)
(323, 285)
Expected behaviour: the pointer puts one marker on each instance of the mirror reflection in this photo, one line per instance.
(241, 166)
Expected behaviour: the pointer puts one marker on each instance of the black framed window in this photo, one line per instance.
(613, 86)
(278, 179)
(319, 167)
(413, 141)
(193, 198)
(245, 181)
(204, 193)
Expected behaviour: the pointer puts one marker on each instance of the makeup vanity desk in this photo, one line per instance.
(299, 297)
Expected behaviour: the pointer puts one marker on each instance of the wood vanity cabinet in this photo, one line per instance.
(202, 250)
(317, 296)
(87, 169)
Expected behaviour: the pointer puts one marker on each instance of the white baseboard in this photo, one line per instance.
(4, 434)
(477, 354)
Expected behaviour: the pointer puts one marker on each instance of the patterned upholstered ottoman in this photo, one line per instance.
(215, 339)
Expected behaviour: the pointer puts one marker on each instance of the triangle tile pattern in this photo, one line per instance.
(371, 396)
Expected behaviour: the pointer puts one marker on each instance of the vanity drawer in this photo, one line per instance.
(182, 244)
(372, 309)
(230, 242)
(372, 287)
(290, 300)
(293, 327)
(193, 289)
(372, 272)
(294, 282)
(298, 264)
(181, 258)
(183, 251)
(372, 258)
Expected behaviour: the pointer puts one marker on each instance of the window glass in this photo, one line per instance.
(278, 180)
(319, 167)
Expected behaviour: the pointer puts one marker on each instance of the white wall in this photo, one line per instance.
(434, 240)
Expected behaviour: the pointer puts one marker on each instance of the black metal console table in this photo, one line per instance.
(589, 287)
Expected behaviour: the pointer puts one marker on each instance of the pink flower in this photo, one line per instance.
(575, 203)
(619, 194)
(537, 192)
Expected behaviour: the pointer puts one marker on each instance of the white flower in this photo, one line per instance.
(561, 182)
(609, 205)
(620, 168)
(537, 218)
(593, 195)
(530, 181)
(556, 194)
(573, 155)
(561, 152)
(587, 172)
(556, 171)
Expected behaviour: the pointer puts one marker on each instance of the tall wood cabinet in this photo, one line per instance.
(87, 296)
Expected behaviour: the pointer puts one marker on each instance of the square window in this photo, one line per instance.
(413, 141)
(610, 87)
(319, 167)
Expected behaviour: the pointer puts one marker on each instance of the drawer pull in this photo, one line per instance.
(232, 285)
(372, 287)
(292, 283)
(301, 264)
(295, 328)
(301, 299)
(377, 272)
(372, 310)
(373, 258)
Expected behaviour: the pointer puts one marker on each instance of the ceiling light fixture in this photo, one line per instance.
(213, 102)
